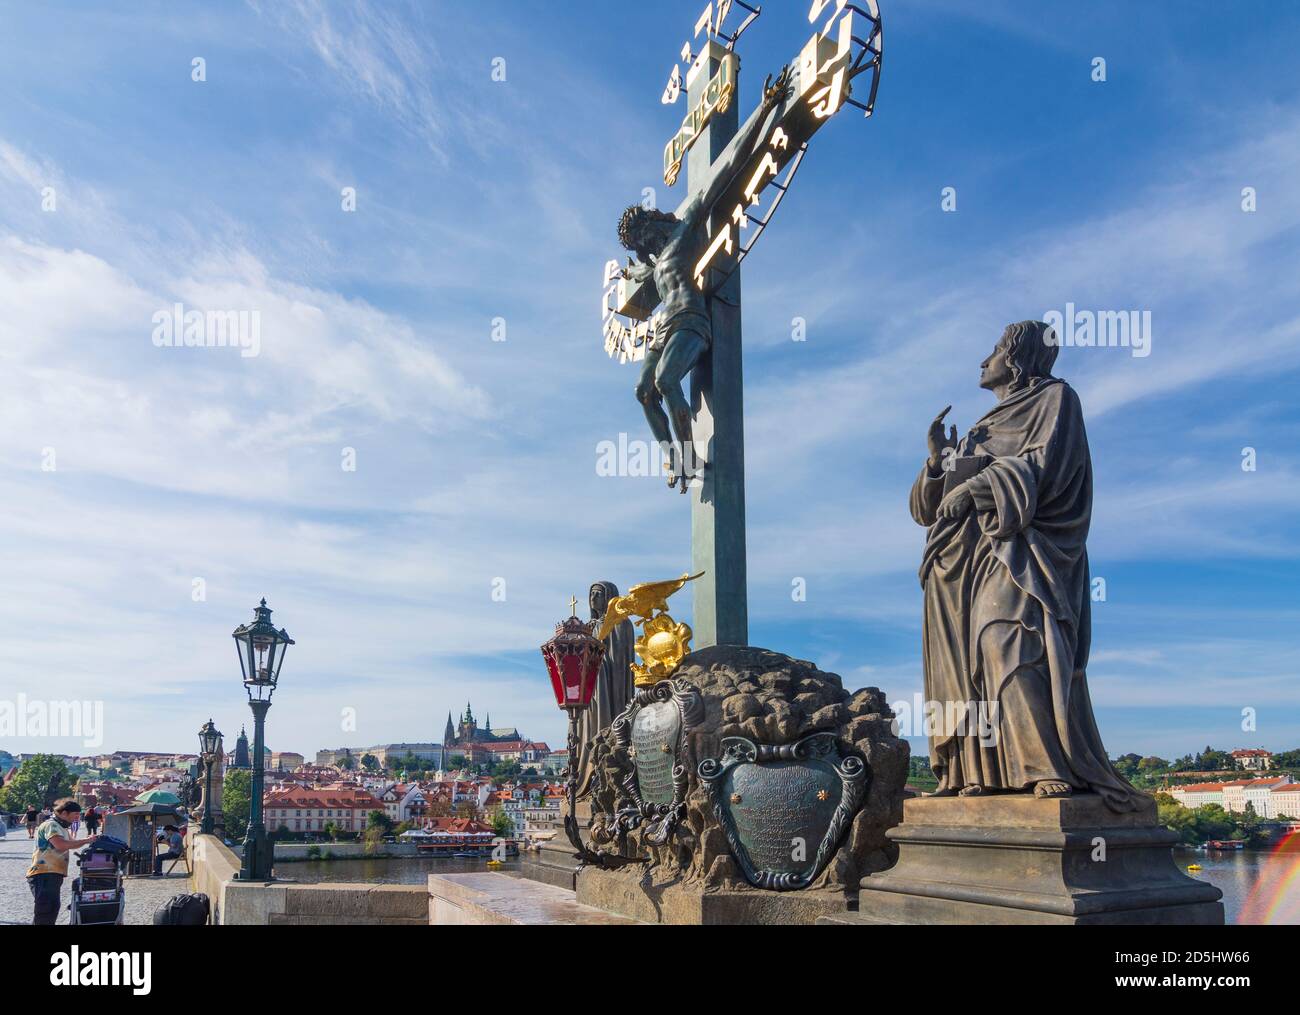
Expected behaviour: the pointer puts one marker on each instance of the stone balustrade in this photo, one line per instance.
(215, 868)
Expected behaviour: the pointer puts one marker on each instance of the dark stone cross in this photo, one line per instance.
(721, 615)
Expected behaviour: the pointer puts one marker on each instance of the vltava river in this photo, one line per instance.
(1257, 886)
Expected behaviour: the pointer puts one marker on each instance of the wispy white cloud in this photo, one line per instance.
(376, 53)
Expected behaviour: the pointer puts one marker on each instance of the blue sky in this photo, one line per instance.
(480, 199)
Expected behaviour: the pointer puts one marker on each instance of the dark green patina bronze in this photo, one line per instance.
(781, 811)
(785, 808)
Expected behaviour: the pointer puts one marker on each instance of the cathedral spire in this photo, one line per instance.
(242, 758)
(449, 734)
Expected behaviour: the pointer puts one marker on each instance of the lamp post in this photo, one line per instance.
(573, 660)
(261, 651)
(209, 741)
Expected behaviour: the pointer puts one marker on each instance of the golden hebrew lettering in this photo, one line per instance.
(723, 239)
(716, 99)
(767, 169)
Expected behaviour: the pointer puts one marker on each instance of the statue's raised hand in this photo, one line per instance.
(939, 443)
(775, 91)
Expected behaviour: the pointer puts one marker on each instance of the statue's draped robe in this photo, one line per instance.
(1007, 605)
(614, 688)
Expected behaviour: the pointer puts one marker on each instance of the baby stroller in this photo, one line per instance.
(97, 895)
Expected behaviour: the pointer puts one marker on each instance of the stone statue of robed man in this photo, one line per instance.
(614, 688)
(1005, 573)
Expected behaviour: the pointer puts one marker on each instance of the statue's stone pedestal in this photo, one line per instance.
(637, 894)
(553, 864)
(1020, 860)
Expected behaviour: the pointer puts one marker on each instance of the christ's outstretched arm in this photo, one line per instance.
(739, 151)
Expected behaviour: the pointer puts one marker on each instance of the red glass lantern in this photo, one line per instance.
(573, 660)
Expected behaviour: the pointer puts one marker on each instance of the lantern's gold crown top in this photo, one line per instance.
(572, 625)
(664, 641)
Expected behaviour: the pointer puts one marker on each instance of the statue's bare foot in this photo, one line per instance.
(1052, 788)
(944, 792)
(971, 791)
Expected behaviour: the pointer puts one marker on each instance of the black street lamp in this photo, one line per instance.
(261, 654)
(209, 742)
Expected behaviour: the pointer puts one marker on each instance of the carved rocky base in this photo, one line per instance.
(1021, 860)
(804, 777)
(640, 895)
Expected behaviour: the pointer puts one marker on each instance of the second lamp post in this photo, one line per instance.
(209, 744)
(261, 654)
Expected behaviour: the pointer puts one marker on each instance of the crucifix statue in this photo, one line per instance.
(686, 268)
(669, 247)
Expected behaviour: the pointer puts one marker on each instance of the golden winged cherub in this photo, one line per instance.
(664, 641)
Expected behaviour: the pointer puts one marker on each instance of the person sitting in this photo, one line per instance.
(50, 862)
(175, 848)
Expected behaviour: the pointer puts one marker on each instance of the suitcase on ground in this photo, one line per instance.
(183, 911)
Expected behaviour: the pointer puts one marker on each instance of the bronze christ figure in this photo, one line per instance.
(668, 249)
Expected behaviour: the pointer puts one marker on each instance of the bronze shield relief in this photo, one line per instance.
(784, 809)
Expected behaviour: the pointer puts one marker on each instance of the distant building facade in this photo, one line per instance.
(300, 809)
(1284, 802)
(286, 761)
(1235, 795)
(1253, 760)
(339, 757)
(392, 754)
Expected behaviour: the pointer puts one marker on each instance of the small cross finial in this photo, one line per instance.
(573, 605)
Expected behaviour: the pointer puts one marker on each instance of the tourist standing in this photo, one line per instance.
(50, 862)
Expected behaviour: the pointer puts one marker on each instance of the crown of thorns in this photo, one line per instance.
(634, 218)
